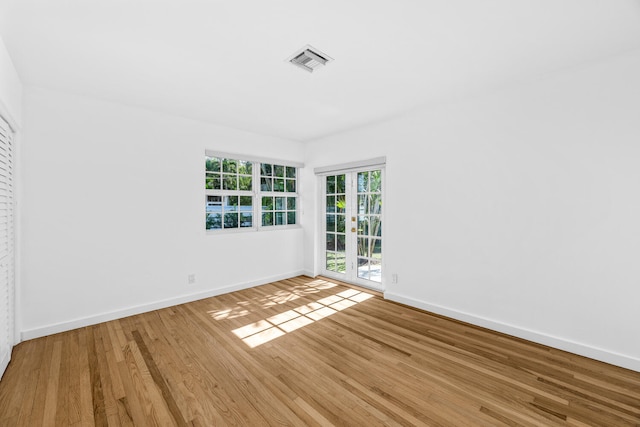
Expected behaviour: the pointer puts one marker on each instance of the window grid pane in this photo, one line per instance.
(229, 212)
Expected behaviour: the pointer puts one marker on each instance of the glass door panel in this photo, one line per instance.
(335, 220)
(369, 235)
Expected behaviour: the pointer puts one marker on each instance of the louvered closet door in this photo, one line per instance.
(6, 245)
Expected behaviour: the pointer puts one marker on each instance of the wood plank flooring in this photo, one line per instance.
(306, 352)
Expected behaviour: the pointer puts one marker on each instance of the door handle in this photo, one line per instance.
(353, 229)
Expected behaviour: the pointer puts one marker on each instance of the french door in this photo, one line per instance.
(352, 227)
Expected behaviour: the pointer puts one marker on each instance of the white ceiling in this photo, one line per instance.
(225, 61)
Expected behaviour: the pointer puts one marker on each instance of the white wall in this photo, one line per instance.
(10, 89)
(113, 213)
(519, 211)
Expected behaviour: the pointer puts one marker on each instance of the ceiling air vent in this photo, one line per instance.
(309, 58)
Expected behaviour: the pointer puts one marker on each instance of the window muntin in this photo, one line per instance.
(229, 212)
(228, 174)
(278, 190)
(277, 178)
(278, 210)
(237, 191)
(369, 225)
(336, 232)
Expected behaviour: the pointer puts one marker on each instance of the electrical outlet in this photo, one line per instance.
(191, 279)
(394, 278)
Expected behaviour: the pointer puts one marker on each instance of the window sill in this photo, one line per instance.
(220, 231)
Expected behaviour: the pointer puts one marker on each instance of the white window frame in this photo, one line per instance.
(255, 193)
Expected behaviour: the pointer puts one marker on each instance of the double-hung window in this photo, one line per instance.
(250, 194)
(278, 190)
(229, 187)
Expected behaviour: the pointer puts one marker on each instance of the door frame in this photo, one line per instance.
(321, 174)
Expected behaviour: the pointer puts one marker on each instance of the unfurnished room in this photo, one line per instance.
(319, 213)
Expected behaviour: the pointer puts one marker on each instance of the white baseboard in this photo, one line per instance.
(602, 355)
(156, 305)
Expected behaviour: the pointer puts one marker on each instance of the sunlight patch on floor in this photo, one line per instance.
(273, 327)
(243, 308)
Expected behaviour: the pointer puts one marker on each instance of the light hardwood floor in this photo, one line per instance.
(305, 352)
